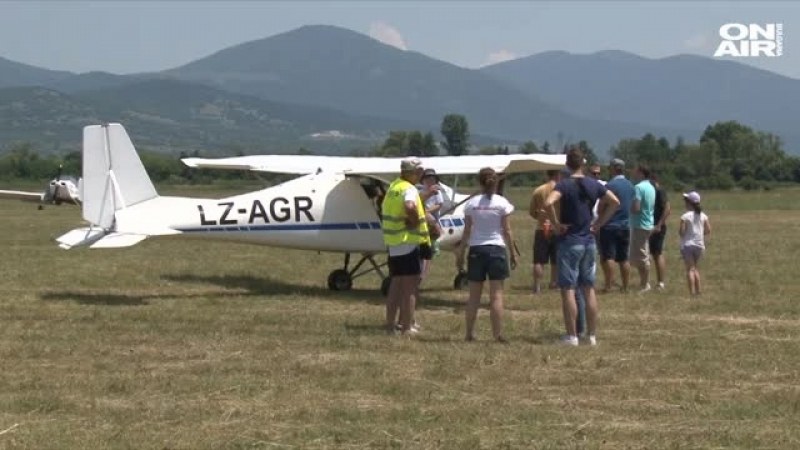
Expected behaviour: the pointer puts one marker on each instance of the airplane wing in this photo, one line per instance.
(444, 165)
(22, 195)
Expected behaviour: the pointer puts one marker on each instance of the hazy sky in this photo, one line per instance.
(127, 37)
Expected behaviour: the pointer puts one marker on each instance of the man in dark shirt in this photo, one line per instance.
(576, 242)
(656, 242)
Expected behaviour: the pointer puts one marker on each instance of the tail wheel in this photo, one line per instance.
(340, 280)
(461, 281)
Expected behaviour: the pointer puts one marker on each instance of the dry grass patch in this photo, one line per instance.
(179, 344)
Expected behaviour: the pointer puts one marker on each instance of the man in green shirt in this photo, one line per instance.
(642, 223)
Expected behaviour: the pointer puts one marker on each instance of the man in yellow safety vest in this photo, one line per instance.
(405, 233)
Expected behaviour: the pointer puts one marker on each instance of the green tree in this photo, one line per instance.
(455, 130)
(529, 147)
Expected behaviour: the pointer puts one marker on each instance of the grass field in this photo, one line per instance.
(180, 344)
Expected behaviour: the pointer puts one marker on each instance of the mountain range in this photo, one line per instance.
(271, 95)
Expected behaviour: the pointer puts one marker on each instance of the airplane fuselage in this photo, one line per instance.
(327, 212)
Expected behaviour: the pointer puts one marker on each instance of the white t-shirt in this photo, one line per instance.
(433, 200)
(695, 229)
(597, 202)
(486, 215)
(410, 195)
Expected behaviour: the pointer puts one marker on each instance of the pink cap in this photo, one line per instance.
(692, 196)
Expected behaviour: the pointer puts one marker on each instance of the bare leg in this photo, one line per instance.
(393, 303)
(608, 274)
(473, 302)
(591, 309)
(408, 288)
(689, 275)
(644, 273)
(661, 267)
(538, 273)
(696, 281)
(570, 309)
(625, 274)
(496, 308)
(553, 275)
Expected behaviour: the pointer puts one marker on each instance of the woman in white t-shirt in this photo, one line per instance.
(487, 232)
(693, 229)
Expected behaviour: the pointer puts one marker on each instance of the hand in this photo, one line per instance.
(562, 228)
(460, 262)
(656, 229)
(513, 261)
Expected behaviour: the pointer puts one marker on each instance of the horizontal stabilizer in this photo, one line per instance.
(22, 195)
(118, 240)
(80, 236)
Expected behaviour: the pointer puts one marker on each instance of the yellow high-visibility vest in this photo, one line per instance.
(393, 219)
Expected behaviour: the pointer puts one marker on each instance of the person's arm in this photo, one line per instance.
(438, 205)
(412, 219)
(534, 207)
(462, 246)
(509, 238)
(636, 205)
(608, 205)
(706, 227)
(664, 216)
(682, 228)
(549, 208)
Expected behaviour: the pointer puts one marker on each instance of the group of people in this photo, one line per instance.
(577, 216)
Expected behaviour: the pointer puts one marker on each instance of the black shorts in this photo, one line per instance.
(614, 244)
(656, 241)
(544, 250)
(487, 261)
(408, 264)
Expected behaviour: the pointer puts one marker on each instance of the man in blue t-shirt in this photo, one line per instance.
(642, 211)
(615, 237)
(576, 245)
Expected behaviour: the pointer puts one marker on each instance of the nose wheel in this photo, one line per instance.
(342, 279)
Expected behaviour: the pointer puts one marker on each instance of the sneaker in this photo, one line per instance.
(501, 340)
(592, 340)
(661, 286)
(569, 341)
(645, 289)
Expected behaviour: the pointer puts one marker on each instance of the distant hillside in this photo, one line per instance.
(339, 68)
(681, 91)
(174, 115)
(14, 74)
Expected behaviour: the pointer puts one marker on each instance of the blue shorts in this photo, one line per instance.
(487, 261)
(614, 243)
(576, 265)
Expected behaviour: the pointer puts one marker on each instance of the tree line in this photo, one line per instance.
(728, 155)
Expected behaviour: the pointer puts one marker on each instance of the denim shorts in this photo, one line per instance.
(487, 261)
(576, 264)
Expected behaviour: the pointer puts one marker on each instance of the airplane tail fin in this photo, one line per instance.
(114, 178)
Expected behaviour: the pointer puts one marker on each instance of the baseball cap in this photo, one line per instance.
(429, 173)
(410, 164)
(692, 196)
(616, 162)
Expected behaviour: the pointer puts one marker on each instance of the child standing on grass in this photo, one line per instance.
(693, 229)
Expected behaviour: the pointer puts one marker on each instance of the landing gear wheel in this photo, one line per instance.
(385, 286)
(460, 281)
(340, 280)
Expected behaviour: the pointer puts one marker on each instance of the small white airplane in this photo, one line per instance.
(333, 205)
(61, 189)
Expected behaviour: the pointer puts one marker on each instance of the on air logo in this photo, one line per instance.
(740, 40)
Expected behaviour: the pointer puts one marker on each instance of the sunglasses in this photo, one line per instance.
(596, 174)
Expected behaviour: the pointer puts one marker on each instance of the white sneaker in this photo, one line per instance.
(661, 286)
(645, 289)
(592, 340)
(569, 341)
